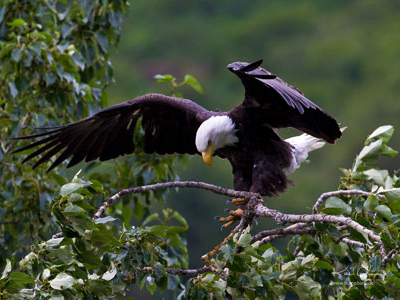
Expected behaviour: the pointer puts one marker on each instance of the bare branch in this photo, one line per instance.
(174, 184)
(292, 229)
(327, 195)
(280, 218)
(177, 271)
(353, 243)
(389, 256)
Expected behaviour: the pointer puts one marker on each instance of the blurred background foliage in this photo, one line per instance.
(343, 55)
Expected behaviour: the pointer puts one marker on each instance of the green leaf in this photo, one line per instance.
(22, 278)
(102, 41)
(180, 219)
(104, 239)
(62, 281)
(228, 251)
(79, 60)
(371, 151)
(393, 198)
(337, 206)
(152, 217)
(70, 188)
(54, 242)
(90, 259)
(307, 288)
(191, 81)
(289, 270)
(384, 211)
(17, 23)
(165, 78)
(245, 238)
(13, 89)
(73, 210)
(237, 265)
(388, 151)
(110, 274)
(104, 220)
(7, 269)
(375, 175)
(16, 54)
(325, 265)
(151, 288)
(383, 132)
(371, 202)
(391, 194)
(375, 263)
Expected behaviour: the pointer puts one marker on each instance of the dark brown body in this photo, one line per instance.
(259, 159)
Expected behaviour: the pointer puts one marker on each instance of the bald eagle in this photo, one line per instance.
(246, 135)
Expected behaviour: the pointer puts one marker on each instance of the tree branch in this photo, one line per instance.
(256, 208)
(352, 243)
(177, 271)
(280, 218)
(165, 185)
(327, 195)
(280, 232)
(389, 256)
(292, 231)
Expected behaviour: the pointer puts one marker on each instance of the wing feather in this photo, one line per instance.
(278, 104)
(170, 125)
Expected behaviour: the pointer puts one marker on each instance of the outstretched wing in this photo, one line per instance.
(169, 125)
(282, 105)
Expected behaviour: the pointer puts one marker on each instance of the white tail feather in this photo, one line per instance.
(302, 145)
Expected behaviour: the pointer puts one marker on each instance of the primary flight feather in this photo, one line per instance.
(246, 135)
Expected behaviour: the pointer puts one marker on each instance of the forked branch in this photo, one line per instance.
(255, 208)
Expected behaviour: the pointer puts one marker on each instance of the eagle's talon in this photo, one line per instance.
(227, 219)
(226, 225)
(234, 215)
(239, 201)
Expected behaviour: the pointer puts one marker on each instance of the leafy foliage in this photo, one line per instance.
(54, 68)
(97, 258)
(171, 80)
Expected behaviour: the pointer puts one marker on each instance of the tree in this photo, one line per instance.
(59, 240)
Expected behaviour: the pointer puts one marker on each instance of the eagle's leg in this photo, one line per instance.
(234, 215)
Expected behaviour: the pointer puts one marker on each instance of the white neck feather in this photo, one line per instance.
(218, 129)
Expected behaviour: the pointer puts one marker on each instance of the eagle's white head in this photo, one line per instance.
(213, 134)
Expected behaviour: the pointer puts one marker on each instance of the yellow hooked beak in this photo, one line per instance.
(208, 154)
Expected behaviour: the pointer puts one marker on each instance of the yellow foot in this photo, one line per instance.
(234, 215)
(239, 201)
